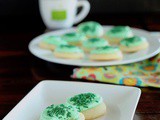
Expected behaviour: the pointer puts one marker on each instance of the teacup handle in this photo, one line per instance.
(85, 10)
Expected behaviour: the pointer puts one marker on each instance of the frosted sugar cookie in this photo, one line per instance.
(116, 34)
(133, 44)
(61, 112)
(90, 104)
(93, 43)
(68, 52)
(51, 42)
(106, 53)
(91, 29)
(74, 38)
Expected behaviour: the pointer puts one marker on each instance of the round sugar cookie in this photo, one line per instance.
(51, 42)
(133, 44)
(61, 112)
(90, 104)
(93, 43)
(91, 29)
(68, 52)
(117, 33)
(106, 53)
(74, 38)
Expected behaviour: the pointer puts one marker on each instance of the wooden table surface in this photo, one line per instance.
(20, 71)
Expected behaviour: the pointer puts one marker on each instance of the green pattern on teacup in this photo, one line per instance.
(58, 15)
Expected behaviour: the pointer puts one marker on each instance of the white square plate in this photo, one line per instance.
(121, 101)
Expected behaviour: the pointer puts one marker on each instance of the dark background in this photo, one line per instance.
(23, 15)
(20, 71)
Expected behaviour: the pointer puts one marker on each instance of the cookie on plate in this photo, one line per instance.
(133, 44)
(93, 43)
(61, 112)
(117, 33)
(68, 52)
(74, 38)
(106, 53)
(91, 29)
(89, 104)
(51, 42)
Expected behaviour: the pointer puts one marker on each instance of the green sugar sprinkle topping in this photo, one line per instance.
(55, 40)
(60, 112)
(85, 101)
(119, 29)
(74, 37)
(120, 32)
(87, 28)
(67, 46)
(105, 50)
(133, 41)
(68, 49)
(91, 28)
(95, 42)
(70, 34)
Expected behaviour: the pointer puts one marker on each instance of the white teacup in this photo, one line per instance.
(62, 13)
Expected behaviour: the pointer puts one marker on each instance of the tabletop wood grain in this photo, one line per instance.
(20, 71)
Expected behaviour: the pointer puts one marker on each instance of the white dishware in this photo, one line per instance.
(62, 13)
(121, 101)
(152, 50)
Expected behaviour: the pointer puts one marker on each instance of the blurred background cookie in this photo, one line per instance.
(91, 29)
(106, 53)
(74, 38)
(68, 52)
(117, 33)
(133, 44)
(93, 43)
(51, 42)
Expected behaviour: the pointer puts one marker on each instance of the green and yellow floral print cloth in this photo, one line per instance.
(144, 74)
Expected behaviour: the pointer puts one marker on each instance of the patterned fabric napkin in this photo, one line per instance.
(144, 74)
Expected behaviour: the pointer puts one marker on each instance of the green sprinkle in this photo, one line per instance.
(85, 100)
(60, 112)
(70, 34)
(133, 41)
(94, 39)
(67, 46)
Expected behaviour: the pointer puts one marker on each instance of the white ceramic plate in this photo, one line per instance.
(121, 101)
(152, 50)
